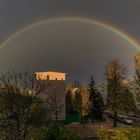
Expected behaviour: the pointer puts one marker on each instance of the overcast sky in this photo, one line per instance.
(71, 47)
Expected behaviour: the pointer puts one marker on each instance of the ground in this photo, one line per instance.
(91, 129)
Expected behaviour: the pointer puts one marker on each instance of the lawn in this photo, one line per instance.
(71, 118)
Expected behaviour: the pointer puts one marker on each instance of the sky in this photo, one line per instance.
(79, 49)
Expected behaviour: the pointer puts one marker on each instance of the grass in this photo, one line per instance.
(71, 118)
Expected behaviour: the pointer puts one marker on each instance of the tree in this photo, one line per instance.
(85, 99)
(77, 100)
(69, 101)
(18, 95)
(96, 109)
(57, 131)
(127, 102)
(77, 105)
(118, 98)
(136, 88)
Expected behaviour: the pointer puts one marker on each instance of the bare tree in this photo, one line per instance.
(18, 93)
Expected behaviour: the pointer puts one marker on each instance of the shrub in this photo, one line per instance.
(57, 131)
(120, 134)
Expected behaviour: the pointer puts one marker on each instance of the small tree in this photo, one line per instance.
(57, 131)
(85, 99)
(96, 109)
(78, 102)
(69, 102)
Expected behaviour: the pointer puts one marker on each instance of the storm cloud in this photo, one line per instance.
(77, 48)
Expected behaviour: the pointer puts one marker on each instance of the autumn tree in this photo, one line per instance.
(77, 100)
(18, 97)
(136, 82)
(127, 101)
(119, 97)
(85, 99)
(136, 88)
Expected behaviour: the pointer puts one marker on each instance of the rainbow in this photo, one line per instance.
(95, 22)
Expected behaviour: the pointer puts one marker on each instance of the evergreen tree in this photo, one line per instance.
(96, 101)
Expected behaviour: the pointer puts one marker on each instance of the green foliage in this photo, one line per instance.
(120, 134)
(57, 131)
(38, 115)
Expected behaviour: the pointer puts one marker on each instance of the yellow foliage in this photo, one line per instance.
(119, 134)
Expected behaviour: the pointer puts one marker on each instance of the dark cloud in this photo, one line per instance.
(79, 49)
(17, 13)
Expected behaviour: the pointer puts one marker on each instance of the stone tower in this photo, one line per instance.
(53, 93)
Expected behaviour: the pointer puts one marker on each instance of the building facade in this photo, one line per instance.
(53, 93)
(50, 76)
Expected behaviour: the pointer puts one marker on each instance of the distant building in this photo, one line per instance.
(53, 93)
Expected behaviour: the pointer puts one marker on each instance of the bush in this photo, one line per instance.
(120, 134)
(57, 131)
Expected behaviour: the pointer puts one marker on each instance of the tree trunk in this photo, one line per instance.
(115, 120)
(56, 115)
(18, 131)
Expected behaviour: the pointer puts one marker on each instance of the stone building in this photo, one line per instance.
(53, 94)
(50, 76)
